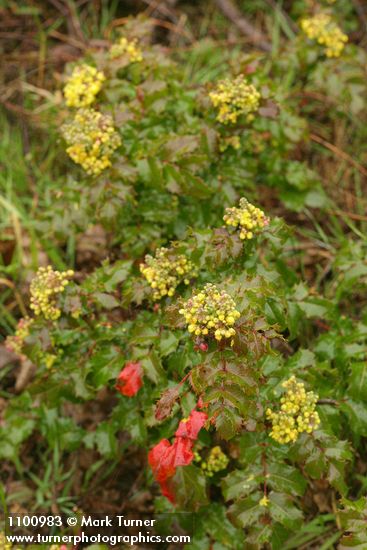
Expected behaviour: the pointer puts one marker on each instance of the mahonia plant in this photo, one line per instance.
(160, 172)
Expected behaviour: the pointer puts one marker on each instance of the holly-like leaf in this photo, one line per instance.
(241, 483)
(189, 487)
(247, 511)
(287, 479)
(227, 422)
(283, 509)
(152, 367)
(354, 519)
(107, 301)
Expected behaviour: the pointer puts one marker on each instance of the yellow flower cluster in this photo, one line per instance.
(215, 462)
(322, 28)
(166, 271)
(248, 218)
(91, 139)
(211, 311)
(83, 85)
(234, 98)
(124, 46)
(297, 413)
(45, 287)
(15, 342)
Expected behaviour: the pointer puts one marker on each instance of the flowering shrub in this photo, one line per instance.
(183, 329)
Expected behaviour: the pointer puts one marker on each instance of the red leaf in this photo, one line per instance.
(191, 426)
(129, 380)
(166, 491)
(183, 455)
(164, 457)
(161, 459)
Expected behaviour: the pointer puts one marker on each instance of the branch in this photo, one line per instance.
(328, 402)
(232, 13)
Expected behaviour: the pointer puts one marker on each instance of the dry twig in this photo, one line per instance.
(232, 13)
(338, 152)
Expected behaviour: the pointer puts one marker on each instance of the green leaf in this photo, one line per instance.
(136, 426)
(315, 308)
(283, 509)
(336, 476)
(227, 423)
(354, 518)
(247, 511)
(287, 479)
(106, 364)
(241, 483)
(301, 359)
(168, 342)
(107, 301)
(275, 313)
(117, 275)
(250, 449)
(153, 367)
(356, 412)
(189, 487)
(217, 525)
(357, 387)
